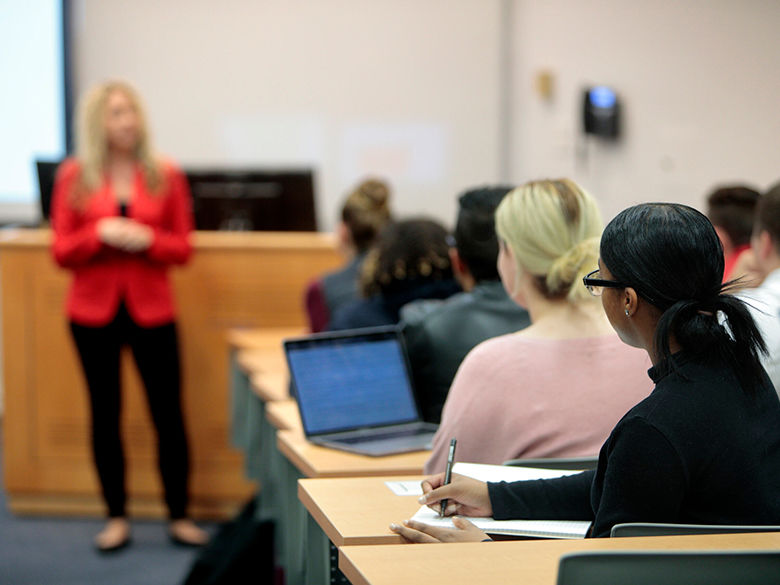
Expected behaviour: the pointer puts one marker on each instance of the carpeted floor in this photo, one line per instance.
(54, 551)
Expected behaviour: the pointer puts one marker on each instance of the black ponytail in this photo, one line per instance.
(671, 255)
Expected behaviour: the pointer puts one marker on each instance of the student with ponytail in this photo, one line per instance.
(557, 387)
(704, 447)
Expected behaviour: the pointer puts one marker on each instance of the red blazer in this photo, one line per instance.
(103, 276)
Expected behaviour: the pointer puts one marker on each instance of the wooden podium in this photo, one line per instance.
(247, 279)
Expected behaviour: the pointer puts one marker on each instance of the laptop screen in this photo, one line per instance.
(351, 380)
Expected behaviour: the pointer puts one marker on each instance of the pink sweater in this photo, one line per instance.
(519, 397)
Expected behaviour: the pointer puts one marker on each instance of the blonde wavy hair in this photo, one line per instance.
(553, 229)
(91, 142)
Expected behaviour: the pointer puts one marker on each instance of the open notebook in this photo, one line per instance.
(532, 528)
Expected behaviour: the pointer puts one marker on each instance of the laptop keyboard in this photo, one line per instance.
(384, 436)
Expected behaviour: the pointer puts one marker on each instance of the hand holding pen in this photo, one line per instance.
(469, 496)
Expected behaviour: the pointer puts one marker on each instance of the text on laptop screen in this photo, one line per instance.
(351, 384)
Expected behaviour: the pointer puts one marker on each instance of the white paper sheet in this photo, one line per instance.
(405, 488)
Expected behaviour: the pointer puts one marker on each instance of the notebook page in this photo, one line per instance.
(405, 488)
(538, 528)
(496, 473)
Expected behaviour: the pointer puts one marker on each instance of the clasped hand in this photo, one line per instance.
(465, 497)
(124, 234)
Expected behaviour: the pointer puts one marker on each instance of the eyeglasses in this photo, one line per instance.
(596, 285)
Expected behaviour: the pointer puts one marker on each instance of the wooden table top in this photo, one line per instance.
(201, 239)
(316, 461)
(531, 562)
(261, 338)
(284, 415)
(250, 360)
(357, 510)
(270, 386)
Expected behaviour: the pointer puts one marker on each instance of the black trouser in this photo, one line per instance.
(156, 353)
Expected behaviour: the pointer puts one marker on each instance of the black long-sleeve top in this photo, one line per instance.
(698, 450)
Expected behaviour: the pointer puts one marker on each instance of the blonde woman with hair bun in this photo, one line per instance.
(121, 216)
(556, 388)
(364, 213)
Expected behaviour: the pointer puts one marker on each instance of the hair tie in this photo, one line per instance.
(707, 308)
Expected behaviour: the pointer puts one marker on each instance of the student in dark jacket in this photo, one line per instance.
(704, 447)
(439, 334)
(410, 261)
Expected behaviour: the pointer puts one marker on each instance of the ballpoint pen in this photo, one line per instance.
(448, 474)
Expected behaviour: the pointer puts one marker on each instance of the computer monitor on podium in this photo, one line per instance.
(253, 199)
(46, 170)
(239, 200)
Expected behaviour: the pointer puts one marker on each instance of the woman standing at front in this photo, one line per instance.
(120, 218)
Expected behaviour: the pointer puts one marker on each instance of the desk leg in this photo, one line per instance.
(317, 554)
(272, 475)
(322, 557)
(239, 395)
(255, 448)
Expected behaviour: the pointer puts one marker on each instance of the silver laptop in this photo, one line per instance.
(354, 391)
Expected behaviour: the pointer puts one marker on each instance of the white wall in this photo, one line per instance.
(407, 89)
(413, 89)
(699, 84)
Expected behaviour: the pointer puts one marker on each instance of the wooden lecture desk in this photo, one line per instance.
(350, 511)
(258, 378)
(309, 556)
(530, 562)
(254, 352)
(357, 510)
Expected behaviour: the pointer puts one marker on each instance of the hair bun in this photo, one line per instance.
(568, 268)
(372, 194)
(366, 211)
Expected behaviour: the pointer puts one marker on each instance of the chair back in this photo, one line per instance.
(655, 529)
(669, 568)
(556, 462)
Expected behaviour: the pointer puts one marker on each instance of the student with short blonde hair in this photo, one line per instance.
(556, 388)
